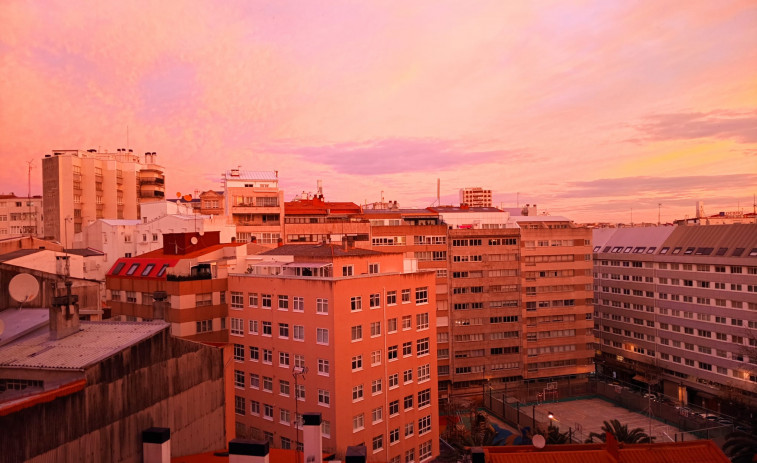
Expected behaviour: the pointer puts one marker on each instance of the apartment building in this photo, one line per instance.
(475, 197)
(342, 331)
(20, 216)
(676, 309)
(192, 269)
(82, 186)
(254, 204)
(314, 220)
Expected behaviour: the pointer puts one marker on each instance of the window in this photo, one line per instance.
(424, 373)
(424, 398)
(239, 378)
(422, 347)
(392, 353)
(377, 414)
(254, 381)
(299, 362)
(357, 332)
(378, 443)
(237, 326)
(405, 296)
(283, 359)
(284, 387)
(267, 356)
(284, 330)
(409, 429)
(267, 329)
(255, 407)
(421, 321)
(323, 367)
(322, 336)
(266, 300)
(299, 333)
(408, 402)
(424, 425)
(375, 301)
(253, 327)
(322, 306)
(283, 302)
(394, 407)
(267, 384)
(252, 299)
(407, 376)
(239, 352)
(391, 298)
(324, 398)
(356, 303)
(237, 300)
(298, 304)
(376, 386)
(203, 326)
(375, 329)
(407, 322)
(424, 451)
(239, 407)
(391, 325)
(347, 271)
(357, 392)
(394, 436)
(358, 422)
(421, 295)
(268, 411)
(407, 349)
(373, 268)
(357, 362)
(376, 357)
(254, 353)
(131, 296)
(148, 269)
(410, 456)
(133, 269)
(394, 380)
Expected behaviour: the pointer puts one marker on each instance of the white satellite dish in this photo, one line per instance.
(23, 288)
(539, 441)
(193, 240)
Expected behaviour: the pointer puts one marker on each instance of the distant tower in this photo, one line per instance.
(700, 209)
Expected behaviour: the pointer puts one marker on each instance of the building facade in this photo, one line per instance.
(676, 310)
(254, 204)
(342, 331)
(21, 216)
(80, 187)
(475, 197)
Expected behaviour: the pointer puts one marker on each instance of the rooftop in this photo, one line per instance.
(236, 174)
(95, 341)
(318, 250)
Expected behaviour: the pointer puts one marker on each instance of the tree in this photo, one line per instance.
(554, 436)
(621, 433)
(741, 447)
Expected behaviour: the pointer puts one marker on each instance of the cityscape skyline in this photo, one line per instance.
(388, 99)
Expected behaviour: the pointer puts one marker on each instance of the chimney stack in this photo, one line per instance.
(248, 451)
(311, 437)
(156, 445)
(64, 314)
(477, 455)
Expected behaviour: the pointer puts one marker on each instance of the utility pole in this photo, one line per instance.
(297, 373)
(659, 205)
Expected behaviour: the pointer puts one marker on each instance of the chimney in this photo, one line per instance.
(160, 305)
(478, 455)
(248, 451)
(64, 314)
(355, 454)
(311, 437)
(156, 445)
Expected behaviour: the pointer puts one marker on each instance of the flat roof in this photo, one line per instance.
(252, 175)
(318, 250)
(94, 342)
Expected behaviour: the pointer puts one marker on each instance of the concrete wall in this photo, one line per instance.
(162, 381)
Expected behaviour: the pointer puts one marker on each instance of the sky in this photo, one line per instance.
(595, 110)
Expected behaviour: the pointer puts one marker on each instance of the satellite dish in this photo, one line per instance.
(23, 287)
(539, 441)
(193, 240)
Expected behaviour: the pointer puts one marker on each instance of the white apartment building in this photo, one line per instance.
(20, 216)
(255, 205)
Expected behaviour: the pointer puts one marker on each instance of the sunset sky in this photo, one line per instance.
(587, 108)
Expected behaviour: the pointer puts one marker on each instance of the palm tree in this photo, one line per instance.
(741, 447)
(554, 436)
(621, 433)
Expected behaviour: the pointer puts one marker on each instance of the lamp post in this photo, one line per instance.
(533, 418)
(297, 373)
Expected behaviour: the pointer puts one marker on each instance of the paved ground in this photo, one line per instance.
(587, 415)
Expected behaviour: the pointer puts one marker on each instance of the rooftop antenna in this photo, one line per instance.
(659, 206)
(127, 136)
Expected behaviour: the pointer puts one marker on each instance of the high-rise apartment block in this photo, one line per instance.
(475, 197)
(80, 187)
(20, 216)
(254, 203)
(676, 309)
(343, 331)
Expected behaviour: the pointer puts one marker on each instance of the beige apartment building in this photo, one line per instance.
(676, 311)
(254, 204)
(20, 216)
(342, 331)
(475, 197)
(80, 187)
